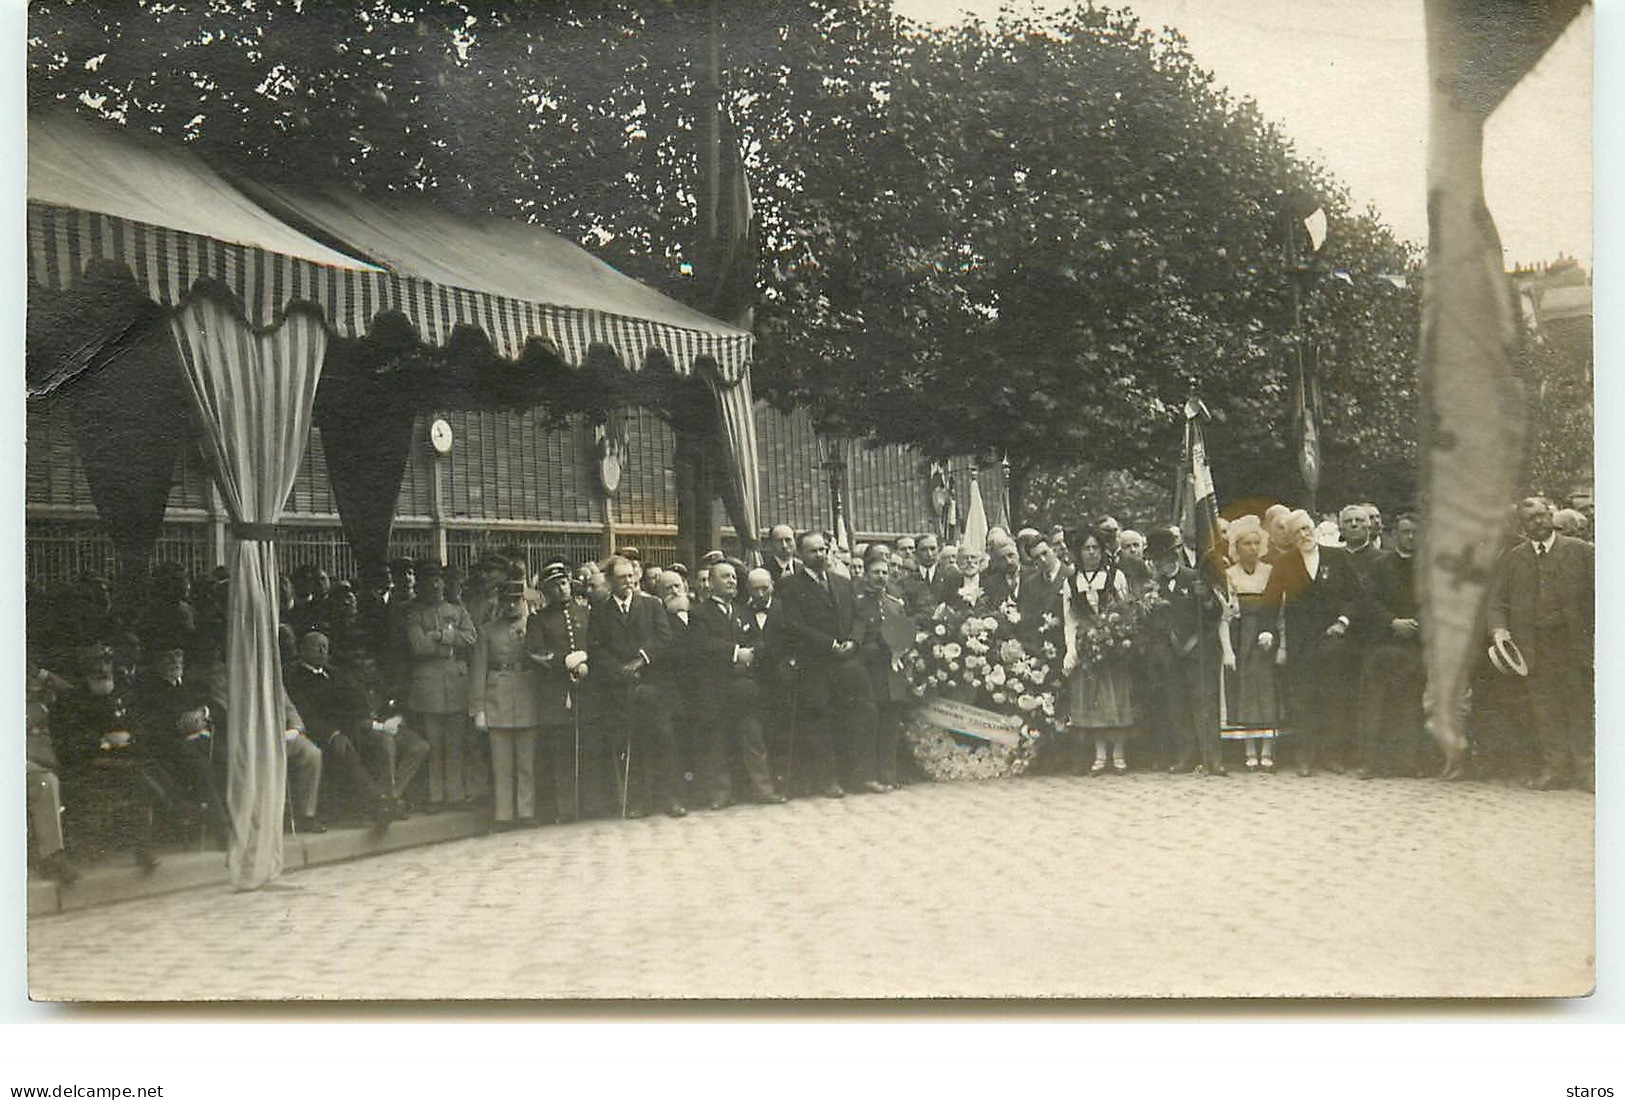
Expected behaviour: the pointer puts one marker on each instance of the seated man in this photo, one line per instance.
(333, 709)
(304, 770)
(176, 715)
(104, 768)
(392, 749)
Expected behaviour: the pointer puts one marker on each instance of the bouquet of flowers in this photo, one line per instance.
(1114, 632)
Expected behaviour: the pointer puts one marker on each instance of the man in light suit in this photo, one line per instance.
(629, 638)
(836, 702)
(1541, 602)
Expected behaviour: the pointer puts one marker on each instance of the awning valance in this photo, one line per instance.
(94, 198)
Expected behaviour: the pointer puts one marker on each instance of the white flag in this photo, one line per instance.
(1315, 224)
(975, 537)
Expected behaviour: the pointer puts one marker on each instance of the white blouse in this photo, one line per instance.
(1091, 586)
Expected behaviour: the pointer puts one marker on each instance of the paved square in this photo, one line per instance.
(1144, 885)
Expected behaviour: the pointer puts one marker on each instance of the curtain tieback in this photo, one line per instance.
(254, 532)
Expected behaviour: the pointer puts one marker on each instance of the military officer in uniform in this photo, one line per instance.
(438, 635)
(502, 700)
(556, 643)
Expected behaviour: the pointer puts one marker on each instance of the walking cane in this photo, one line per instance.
(626, 761)
(575, 787)
(790, 750)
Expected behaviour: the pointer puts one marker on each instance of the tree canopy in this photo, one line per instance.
(1024, 238)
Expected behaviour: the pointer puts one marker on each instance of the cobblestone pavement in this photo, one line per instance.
(1143, 885)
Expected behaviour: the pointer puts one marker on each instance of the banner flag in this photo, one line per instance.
(1474, 416)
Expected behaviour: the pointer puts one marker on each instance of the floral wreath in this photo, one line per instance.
(946, 757)
(972, 655)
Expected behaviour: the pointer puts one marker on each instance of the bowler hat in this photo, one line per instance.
(1160, 542)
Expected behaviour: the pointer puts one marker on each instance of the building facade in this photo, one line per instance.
(508, 479)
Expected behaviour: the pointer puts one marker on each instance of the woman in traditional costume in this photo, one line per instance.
(1247, 637)
(1098, 683)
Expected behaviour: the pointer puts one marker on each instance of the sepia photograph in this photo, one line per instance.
(808, 501)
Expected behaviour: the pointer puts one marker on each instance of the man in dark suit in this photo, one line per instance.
(728, 704)
(882, 624)
(1182, 658)
(336, 714)
(1131, 558)
(177, 716)
(835, 701)
(1002, 582)
(921, 585)
(1042, 603)
(774, 671)
(628, 637)
(675, 676)
(1343, 741)
(1390, 711)
(1541, 603)
(781, 552)
(1320, 599)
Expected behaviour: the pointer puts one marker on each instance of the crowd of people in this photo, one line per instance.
(622, 688)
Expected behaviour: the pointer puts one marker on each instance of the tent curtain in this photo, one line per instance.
(741, 495)
(251, 395)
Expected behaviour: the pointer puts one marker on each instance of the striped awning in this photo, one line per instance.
(178, 228)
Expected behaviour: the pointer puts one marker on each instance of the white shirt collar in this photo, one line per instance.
(1551, 540)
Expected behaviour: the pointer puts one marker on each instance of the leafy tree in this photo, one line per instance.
(1025, 238)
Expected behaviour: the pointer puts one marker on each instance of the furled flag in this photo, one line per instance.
(730, 249)
(1315, 226)
(1308, 395)
(975, 536)
(1196, 502)
(1473, 417)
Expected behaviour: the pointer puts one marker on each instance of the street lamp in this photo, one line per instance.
(835, 468)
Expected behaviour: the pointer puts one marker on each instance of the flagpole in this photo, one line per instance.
(1297, 337)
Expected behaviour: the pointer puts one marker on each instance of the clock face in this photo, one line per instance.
(440, 436)
(610, 470)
